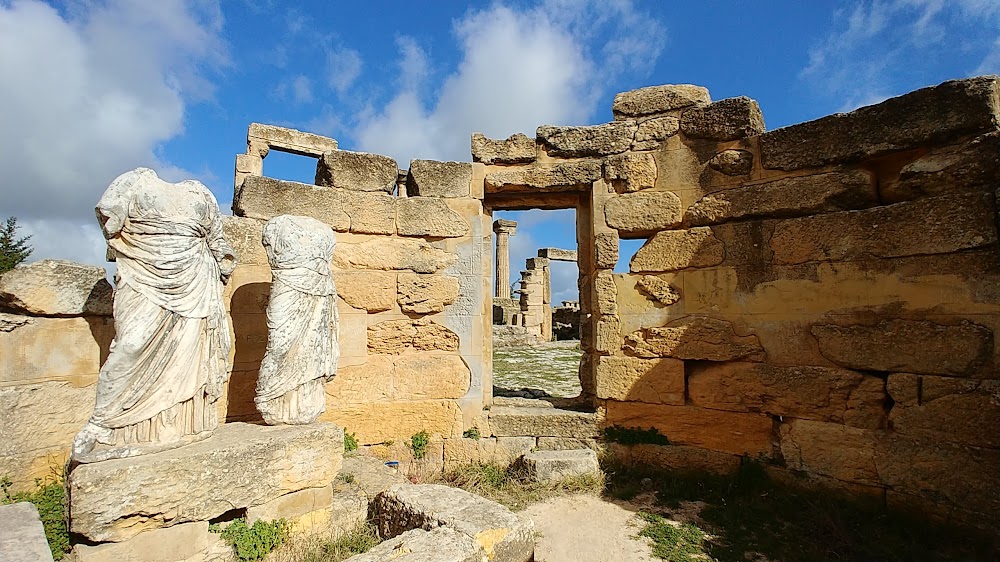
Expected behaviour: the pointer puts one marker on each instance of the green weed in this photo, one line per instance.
(418, 444)
(472, 433)
(251, 543)
(350, 442)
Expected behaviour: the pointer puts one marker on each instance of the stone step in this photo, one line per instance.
(516, 421)
(554, 466)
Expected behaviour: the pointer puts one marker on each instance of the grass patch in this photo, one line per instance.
(510, 486)
(746, 514)
(635, 435)
(320, 548)
(49, 497)
(677, 542)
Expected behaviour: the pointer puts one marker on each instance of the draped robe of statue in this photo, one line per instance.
(302, 321)
(167, 365)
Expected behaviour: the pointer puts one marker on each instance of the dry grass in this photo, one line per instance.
(510, 487)
(325, 548)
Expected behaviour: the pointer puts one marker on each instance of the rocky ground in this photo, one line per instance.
(552, 367)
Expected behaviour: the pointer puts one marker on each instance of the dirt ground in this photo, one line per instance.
(586, 528)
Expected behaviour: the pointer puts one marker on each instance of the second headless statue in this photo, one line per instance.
(302, 321)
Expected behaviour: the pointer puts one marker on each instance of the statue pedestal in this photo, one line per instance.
(241, 470)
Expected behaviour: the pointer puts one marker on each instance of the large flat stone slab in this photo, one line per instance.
(22, 537)
(417, 545)
(56, 288)
(240, 466)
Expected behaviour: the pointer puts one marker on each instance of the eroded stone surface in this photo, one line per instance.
(588, 141)
(506, 421)
(695, 337)
(372, 291)
(516, 149)
(397, 336)
(644, 212)
(440, 544)
(423, 294)
(186, 541)
(658, 99)
(656, 381)
(945, 408)
(556, 466)
(651, 133)
(430, 178)
(357, 171)
(265, 198)
(672, 250)
(660, 290)
(429, 216)
(562, 176)
(392, 254)
(56, 288)
(829, 449)
(633, 171)
(606, 250)
(732, 162)
(724, 120)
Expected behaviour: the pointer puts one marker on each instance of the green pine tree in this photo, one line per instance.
(13, 250)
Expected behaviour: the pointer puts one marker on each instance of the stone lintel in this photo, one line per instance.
(289, 140)
(557, 254)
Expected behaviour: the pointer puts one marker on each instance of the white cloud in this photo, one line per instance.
(87, 95)
(343, 66)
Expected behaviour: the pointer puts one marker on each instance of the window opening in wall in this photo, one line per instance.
(536, 306)
(627, 249)
(290, 167)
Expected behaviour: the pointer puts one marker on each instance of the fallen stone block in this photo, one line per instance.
(357, 171)
(516, 149)
(440, 544)
(724, 120)
(430, 178)
(555, 466)
(22, 537)
(56, 288)
(658, 99)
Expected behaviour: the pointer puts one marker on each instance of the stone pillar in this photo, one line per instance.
(503, 229)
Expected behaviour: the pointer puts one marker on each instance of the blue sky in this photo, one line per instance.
(90, 89)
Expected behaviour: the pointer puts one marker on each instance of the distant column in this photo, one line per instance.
(503, 229)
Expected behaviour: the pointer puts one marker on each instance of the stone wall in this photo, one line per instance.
(823, 297)
(412, 272)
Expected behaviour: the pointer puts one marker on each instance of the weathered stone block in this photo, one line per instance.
(440, 544)
(946, 409)
(372, 291)
(589, 141)
(606, 292)
(516, 149)
(786, 197)
(377, 422)
(370, 381)
(660, 290)
(357, 171)
(506, 421)
(816, 393)
(737, 433)
(239, 466)
(563, 176)
(695, 337)
(429, 216)
(678, 249)
(608, 334)
(430, 178)
(937, 225)
(567, 443)
(187, 541)
(244, 235)
(397, 336)
(45, 349)
(557, 254)
(732, 162)
(265, 198)
(22, 537)
(658, 99)
(289, 140)
(306, 510)
(56, 288)
(651, 133)
(906, 345)
(643, 213)
(423, 294)
(969, 167)
(929, 116)
(631, 171)
(724, 120)
(423, 376)
(675, 457)
(486, 450)
(503, 536)
(606, 250)
(392, 254)
(371, 213)
(556, 466)
(656, 381)
(829, 449)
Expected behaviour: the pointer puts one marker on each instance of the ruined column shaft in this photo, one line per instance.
(504, 229)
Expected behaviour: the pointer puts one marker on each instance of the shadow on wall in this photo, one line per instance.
(248, 307)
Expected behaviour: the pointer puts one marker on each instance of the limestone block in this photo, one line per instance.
(516, 446)
(563, 176)
(186, 541)
(429, 216)
(608, 334)
(372, 291)
(440, 544)
(378, 422)
(427, 376)
(658, 99)
(430, 178)
(305, 510)
(929, 116)
(675, 457)
(504, 536)
(695, 337)
(423, 294)
(249, 165)
(678, 249)
(968, 167)
(239, 466)
(56, 288)
(371, 213)
(660, 290)
(40, 349)
(656, 381)
(605, 250)
(244, 236)
(814, 393)
(607, 293)
(557, 254)
(643, 213)
(357, 171)
(724, 120)
(936, 225)
(567, 443)
(945, 409)
(516, 149)
(914, 346)
(834, 450)
(556, 466)
(370, 381)
(732, 162)
(486, 450)
(506, 421)
(786, 197)
(588, 141)
(651, 133)
(265, 198)
(289, 140)
(632, 171)
(392, 254)
(22, 537)
(397, 336)
(737, 433)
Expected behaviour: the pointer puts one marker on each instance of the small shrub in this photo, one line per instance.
(346, 477)
(418, 443)
(251, 543)
(635, 435)
(350, 442)
(49, 498)
(472, 433)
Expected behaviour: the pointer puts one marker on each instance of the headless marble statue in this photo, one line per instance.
(159, 386)
(302, 321)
